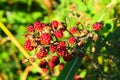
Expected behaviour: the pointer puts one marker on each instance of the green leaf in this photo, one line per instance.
(99, 16)
(82, 6)
(70, 69)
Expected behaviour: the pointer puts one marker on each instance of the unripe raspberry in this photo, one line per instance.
(42, 53)
(97, 26)
(28, 45)
(58, 33)
(30, 28)
(43, 64)
(73, 30)
(55, 24)
(71, 40)
(45, 38)
(67, 57)
(55, 60)
(53, 48)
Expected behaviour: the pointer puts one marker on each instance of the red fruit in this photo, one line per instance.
(55, 60)
(67, 57)
(42, 53)
(58, 33)
(61, 66)
(53, 48)
(97, 26)
(30, 28)
(28, 45)
(45, 69)
(39, 26)
(63, 28)
(61, 44)
(76, 77)
(55, 24)
(61, 51)
(43, 64)
(71, 40)
(45, 38)
(51, 65)
(61, 48)
(73, 30)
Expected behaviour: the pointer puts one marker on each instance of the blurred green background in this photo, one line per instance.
(16, 15)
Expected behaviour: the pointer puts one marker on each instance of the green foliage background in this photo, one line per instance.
(18, 14)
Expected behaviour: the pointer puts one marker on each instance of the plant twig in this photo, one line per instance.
(27, 70)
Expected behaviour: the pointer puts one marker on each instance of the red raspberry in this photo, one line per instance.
(45, 38)
(67, 57)
(77, 77)
(63, 28)
(73, 30)
(51, 65)
(28, 45)
(58, 33)
(61, 51)
(43, 64)
(97, 26)
(42, 53)
(53, 48)
(30, 28)
(39, 26)
(71, 40)
(55, 60)
(61, 44)
(61, 48)
(55, 24)
(61, 66)
(45, 69)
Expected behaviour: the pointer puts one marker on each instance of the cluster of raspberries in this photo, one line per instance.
(49, 42)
